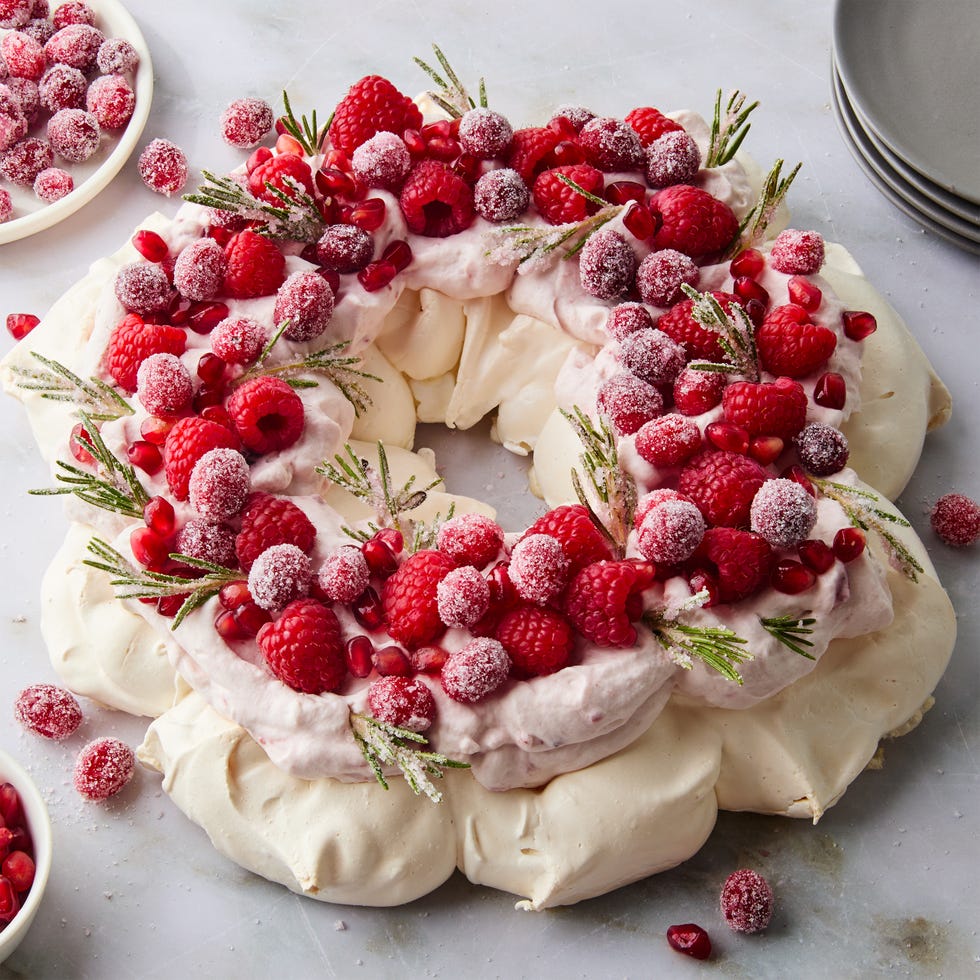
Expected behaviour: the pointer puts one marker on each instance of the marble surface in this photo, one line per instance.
(885, 883)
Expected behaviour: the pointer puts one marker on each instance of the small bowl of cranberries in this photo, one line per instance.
(25, 853)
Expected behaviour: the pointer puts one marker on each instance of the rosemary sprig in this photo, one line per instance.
(296, 216)
(114, 486)
(384, 744)
(791, 631)
(305, 131)
(610, 485)
(717, 646)
(728, 133)
(138, 583)
(863, 511)
(452, 96)
(736, 334)
(56, 382)
(425, 533)
(753, 227)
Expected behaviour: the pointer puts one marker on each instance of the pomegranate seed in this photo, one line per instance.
(443, 148)
(376, 275)
(150, 245)
(367, 609)
(216, 413)
(226, 626)
(429, 660)
(9, 903)
(394, 539)
(19, 325)
(639, 222)
(380, 558)
(725, 435)
(502, 591)
(849, 543)
(79, 442)
(234, 594)
(331, 181)
(701, 581)
(18, 868)
(398, 253)
(766, 449)
(289, 144)
(791, 577)
(803, 293)
(251, 618)
(332, 278)
(749, 262)
(798, 475)
(565, 153)
(221, 235)
(391, 661)
(169, 605)
(179, 317)
(203, 317)
(468, 167)
(159, 517)
(369, 214)
(756, 311)
(208, 396)
(858, 325)
(562, 125)
(816, 555)
(359, 652)
(830, 391)
(11, 810)
(746, 289)
(624, 191)
(330, 210)
(690, 939)
(440, 129)
(337, 159)
(210, 368)
(257, 157)
(148, 547)
(146, 456)
(412, 139)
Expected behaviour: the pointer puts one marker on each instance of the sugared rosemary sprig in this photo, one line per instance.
(735, 332)
(426, 533)
(728, 133)
(114, 486)
(610, 485)
(452, 96)
(305, 131)
(791, 631)
(56, 382)
(717, 646)
(863, 511)
(138, 583)
(385, 744)
(296, 216)
(752, 230)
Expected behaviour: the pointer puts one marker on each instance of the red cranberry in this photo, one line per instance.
(359, 652)
(849, 543)
(816, 555)
(803, 293)
(858, 325)
(145, 456)
(830, 390)
(791, 577)
(749, 262)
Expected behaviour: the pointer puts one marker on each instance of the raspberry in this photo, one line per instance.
(269, 520)
(410, 598)
(538, 567)
(117, 57)
(163, 167)
(52, 184)
(208, 541)
(199, 270)
(746, 901)
(254, 266)
(650, 124)
(48, 711)
(538, 641)
(603, 598)
(673, 158)
(529, 150)
(611, 144)
(76, 45)
(186, 443)
(372, 105)
(669, 440)
(484, 133)
(238, 340)
(245, 121)
(345, 248)
(607, 265)
(738, 561)
(470, 539)
(219, 484)
(306, 300)
(22, 163)
(73, 134)
(163, 384)
(279, 575)
(436, 201)
(660, 275)
(723, 485)
(132, 342)
(790, 345)
(23, 54)
(671, 531)
(559, 203)
(475, 671)
(103, 768)
(775, 408)
(111, 99)
(956, 519)
(628, 402)
(822, 449)
(344, 575)
(581, 541)
(652, 356)
(267, 414)
(286, 172)
(797, 252)
(679, 324)
(501, 195)
(692, 221)
(463, 596)
(627, 318)
(14, 13)
(382, 161)
(72, 12)
(304, 648)
(407, 703)
(783, 513)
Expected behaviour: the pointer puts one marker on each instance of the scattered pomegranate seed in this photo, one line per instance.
(858, 325)
(398, 253)
(746, 289)
(956, 519)
(429, 659)
(226, 626)
(159, 517)
(849, 543)
(756, 311)
(391, 661)
(211, 369)
(204, 316)
(150, 245)
(145, 456)
(369, 214)
(80, 442)
(9, 902)
(804, 293)
(624, 191)
(148, 547)
(639, 222)
(690, 939)
(289, 144)
(379, 556)
(791, 577)
(169, 605)
(393, 538)
(816, 555)
(19, 325)
(746, 901)
(749, 262)
(359, 652)
(830, 391)
(798, 475)
(725, 435)
(251, 617)
(154, 430)
(376, 275)
(368, 610)
(766, 449)
(233, 595)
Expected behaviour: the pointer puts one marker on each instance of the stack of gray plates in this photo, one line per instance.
(906, 92)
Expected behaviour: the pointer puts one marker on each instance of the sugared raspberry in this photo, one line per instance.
(186, 443)
(306, 300)
(345, 248)
(48, 711)
(607, 265)
(72, 12)
(254, 266)
(673, 158)
(143, 288)
(789, 344)
(163, 384)
(410, 598)
(723, 485)
(610, 144)
(660, 275)
(103, 768)
(669, 440)
(576, 115)
(539, 641)
(797, 253)
(768, 409)
(219, 484)
(463, 596)
(76, 45)
(344, 575)
(245, 121)
(200, 269)
(783, 513)
(372, 105)
(470, 539)
(671, 531)
(436, 201)
(25, 160)
(111, 99)
(652, 356)
(692, 221)
(650, 124)
(304, 648)
(627, 318)
(62, 87)
(746, 901)
(603, 598)
(73, 134)
(405, 702)
(14, 14)
(484, 133)
(823, 450)
(267, 414)
(279, 575)
(560, 203)
(23, 55)
(539, 568)
(501, 195)
(132, 341)
(476, 671)
(956, 519)
(238, 340)
(117, 57)
(382, 161)
(628, 402)
(163, 167)
(737, 561)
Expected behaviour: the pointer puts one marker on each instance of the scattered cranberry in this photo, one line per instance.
(103, 768)
(163, 167)
(956, 519)
(246, 121)
(690, 939)
(746, 901)
(48, 710)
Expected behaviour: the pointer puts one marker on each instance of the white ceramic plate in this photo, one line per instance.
(32, 215)
(911, 70)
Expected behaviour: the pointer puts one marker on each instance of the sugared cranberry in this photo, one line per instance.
(830, 391)
(956, 519)
(858, 324)
(48, 711)
(103, 768)
(849, 543)
(746, 901)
